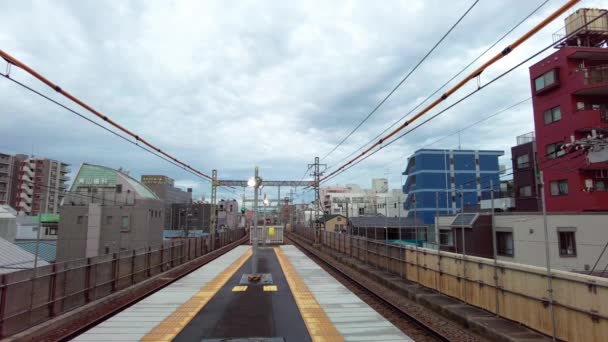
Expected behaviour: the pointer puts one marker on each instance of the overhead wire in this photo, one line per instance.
(73, 111)
(445, 35)
(12, 60)
(358, 160)
(446, 83)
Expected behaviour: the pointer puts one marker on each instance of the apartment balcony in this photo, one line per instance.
(64, 178)
(27, 190)
(27, 171)
(65, 169)
(592, 118)
(592, 80)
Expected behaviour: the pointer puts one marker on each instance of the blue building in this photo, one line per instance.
(438, 175)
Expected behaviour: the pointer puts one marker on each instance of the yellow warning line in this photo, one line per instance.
(319, 326)
(174, 323)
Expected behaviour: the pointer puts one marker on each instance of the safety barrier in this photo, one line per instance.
(27, 299)
(270, 234)
(514, 291)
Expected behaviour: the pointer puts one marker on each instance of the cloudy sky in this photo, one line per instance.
(230, 85)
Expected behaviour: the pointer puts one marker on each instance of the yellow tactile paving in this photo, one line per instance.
(174, 323)
(239, 289)
(270, 288)
(320, 328)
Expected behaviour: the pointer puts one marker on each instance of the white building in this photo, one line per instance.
(576, 241)
(353, 201)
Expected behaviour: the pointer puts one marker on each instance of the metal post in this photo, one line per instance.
(494, 252)
(386, 232)
(264, 225)
(416, 238)
(464, 253)
(548, 257)
(437, 240)
(213, 227)
(254, 257)
(35, 270)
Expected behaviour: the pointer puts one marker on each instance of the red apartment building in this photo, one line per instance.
(570, 99)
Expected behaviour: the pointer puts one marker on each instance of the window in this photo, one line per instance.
(79, 219)
(525, 191)
(553, 115)
(504, 243)
(567, 243)
(230, 208)
(545, 80)
(555, 150)
(361, 211)
(600, 185)
(336, 227)
(124, 223)
(580, 106)
(445, 237)
(559, 187)
(523, 161)
(108, 219)
(338, 219)
(50, 231)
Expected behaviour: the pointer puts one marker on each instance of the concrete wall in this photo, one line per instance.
(528, 238)
(100, 231)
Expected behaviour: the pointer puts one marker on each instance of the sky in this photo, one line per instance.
(230, 85)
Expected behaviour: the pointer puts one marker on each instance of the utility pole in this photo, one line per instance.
(317, 173)
(494, 252)
(214, 185)
(254, 257)
(547, 256)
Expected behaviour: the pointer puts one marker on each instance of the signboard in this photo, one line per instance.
(49, 218)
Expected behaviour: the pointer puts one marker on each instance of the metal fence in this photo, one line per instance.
(514, 291)
(28, 298)
(270, 235)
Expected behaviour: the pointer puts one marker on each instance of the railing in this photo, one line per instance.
(526, 138)
(514, 291)
(27, 300)
(264, 235)
(596, 74)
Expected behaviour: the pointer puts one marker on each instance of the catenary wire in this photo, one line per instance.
(445, 35)
(7, 76)
(445, 84)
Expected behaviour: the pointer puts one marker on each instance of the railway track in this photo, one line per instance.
(99, 314)
(419, 323)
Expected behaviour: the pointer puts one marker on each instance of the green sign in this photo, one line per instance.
(49, 217)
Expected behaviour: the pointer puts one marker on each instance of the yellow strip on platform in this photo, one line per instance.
(320, 328)
(177, 321)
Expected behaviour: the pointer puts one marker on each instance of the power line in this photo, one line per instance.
(402, 80)
(7, 76)
(357, 160)
(12, 60)
(446, 83)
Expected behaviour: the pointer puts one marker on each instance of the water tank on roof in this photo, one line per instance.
(583, 16)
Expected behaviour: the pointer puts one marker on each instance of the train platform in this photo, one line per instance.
(303, 303)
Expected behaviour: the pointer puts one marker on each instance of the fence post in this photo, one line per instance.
(149, 262)
(52, 285)
(114, 271)
(3, 303)
(133, 267)
(162, 258)
(87, 277)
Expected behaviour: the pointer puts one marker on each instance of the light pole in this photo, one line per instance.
(264, 232)
(255, 182)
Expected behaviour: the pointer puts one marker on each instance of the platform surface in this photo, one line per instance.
(353, 318)
(305, 303)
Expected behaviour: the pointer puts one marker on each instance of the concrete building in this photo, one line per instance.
(40, 185)
(107, 212)
(435, 178)
(9, 171)
(195, 216)
(8, 223)
(570, 100)
(227, 214)
(164, 188)
(576, 240)
(335, 223)
(525, 174)
(353, 201)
